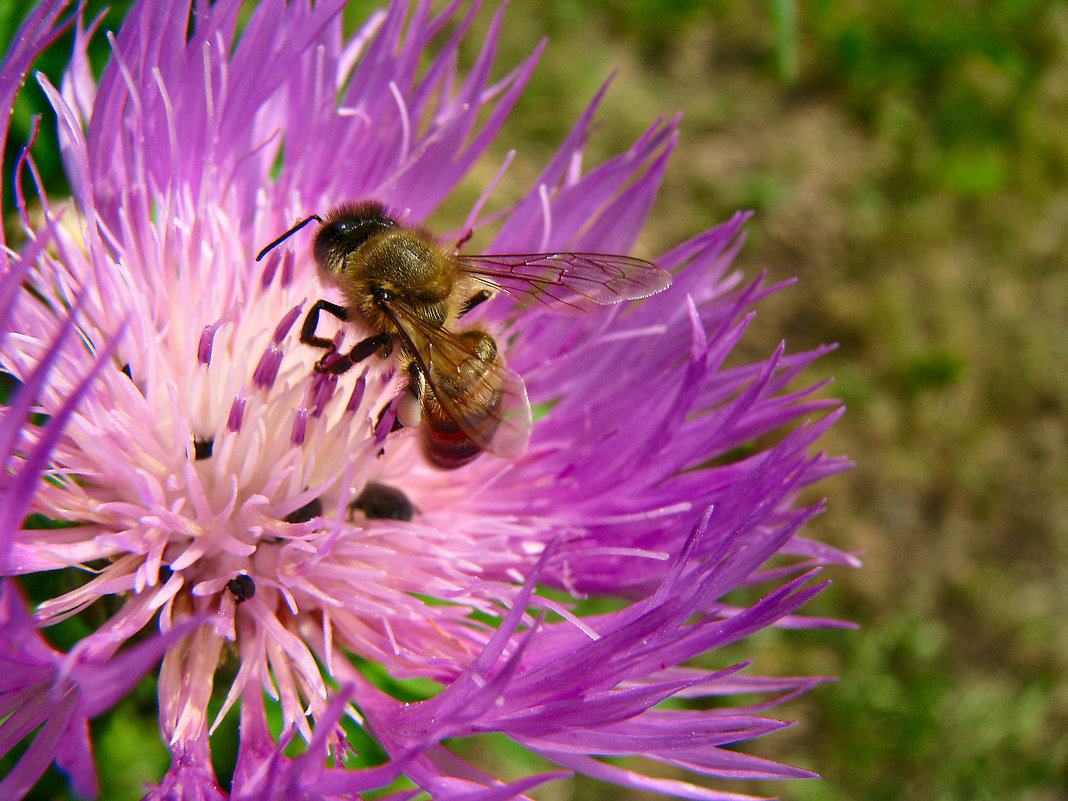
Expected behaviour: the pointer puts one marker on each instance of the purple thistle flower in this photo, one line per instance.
(234, 500)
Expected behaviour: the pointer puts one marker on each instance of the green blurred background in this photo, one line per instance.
(907, 161)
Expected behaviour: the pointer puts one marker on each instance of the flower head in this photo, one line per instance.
(241, 503)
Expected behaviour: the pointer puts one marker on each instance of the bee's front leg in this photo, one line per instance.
(360, 351)
(311, 321)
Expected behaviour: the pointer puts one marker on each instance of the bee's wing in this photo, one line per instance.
(569, 282)
(504, 430)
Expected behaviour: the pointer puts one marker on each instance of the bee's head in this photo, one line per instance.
(344, 231)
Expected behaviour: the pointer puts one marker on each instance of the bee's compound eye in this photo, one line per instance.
(346, 231)
(330, 243)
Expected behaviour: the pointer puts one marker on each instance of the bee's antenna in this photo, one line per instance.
(288, 234)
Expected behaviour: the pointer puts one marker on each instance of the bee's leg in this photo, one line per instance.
(311, 321)
(416, 381)
(479, 297)
(308, 337)
(360, 351)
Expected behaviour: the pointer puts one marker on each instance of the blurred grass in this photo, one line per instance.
(908, 163)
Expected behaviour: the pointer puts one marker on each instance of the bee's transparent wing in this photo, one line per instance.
(504, 429)
(568, 282)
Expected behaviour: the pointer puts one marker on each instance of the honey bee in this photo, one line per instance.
(400, 283)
